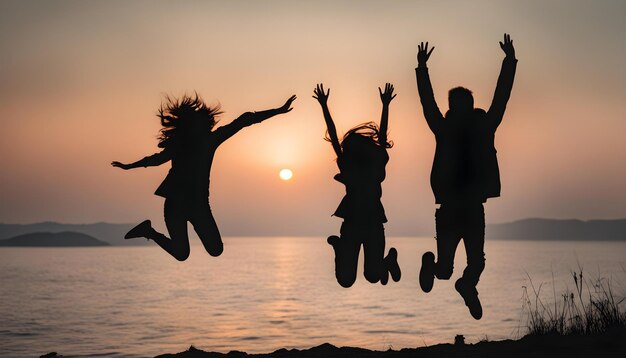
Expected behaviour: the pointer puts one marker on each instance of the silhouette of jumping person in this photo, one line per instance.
(361, 158)
(464, 174)
(189, 142)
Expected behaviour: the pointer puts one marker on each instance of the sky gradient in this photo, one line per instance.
(80, 83)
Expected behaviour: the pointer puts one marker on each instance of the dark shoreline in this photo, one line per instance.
(609, 344)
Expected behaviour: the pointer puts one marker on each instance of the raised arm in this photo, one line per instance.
(250, 118)
(149, 161)
(385, 97)
(322, 98)
(432, 113)
(505, 83)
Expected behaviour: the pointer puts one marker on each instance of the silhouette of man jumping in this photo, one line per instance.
(464, 174)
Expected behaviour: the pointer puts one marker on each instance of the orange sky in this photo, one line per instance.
(80, 83)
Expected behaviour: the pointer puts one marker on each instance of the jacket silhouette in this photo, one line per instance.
(464, 175)
(465, 163)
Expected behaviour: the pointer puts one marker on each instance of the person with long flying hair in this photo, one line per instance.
(361, 158)
(189, 142)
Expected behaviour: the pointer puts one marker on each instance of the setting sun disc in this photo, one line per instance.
(285, 174)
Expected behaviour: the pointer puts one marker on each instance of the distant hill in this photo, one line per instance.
(527, 229)
(110, 233)
(552, 229)
(49, 239)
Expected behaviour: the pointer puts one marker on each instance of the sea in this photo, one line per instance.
(267, 293)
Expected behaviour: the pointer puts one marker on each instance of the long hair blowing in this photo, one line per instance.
(368, 130)
(176, 113)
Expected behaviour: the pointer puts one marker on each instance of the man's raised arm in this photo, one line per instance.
(427, 97)
(505, 82)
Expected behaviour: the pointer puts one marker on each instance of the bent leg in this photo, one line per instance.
(448, 237)
(176, 222)
(374, 251)
(347, 249)
(205, 226)
(474, 241)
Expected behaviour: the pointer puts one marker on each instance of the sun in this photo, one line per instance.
(285, 174)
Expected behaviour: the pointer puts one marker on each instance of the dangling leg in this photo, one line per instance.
(391, 263)
(374, 267)
(474, 241)
(206, 228)
(346, 249)
(448, 238)
(176, 222)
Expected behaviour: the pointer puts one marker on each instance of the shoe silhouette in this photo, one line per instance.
(470, 296)
(384, 277)
(391, 261)
(141, 230)
(427, 272)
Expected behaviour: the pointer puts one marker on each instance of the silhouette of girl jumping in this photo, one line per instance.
(361, 158)
(189, 142)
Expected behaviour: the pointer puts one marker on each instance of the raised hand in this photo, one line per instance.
(507, 46)
(287, 106)
(120, 165)
(388, 95)
(423, 54)
(319, 95)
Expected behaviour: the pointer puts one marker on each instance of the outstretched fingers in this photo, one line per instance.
(424, 47)
(119, 165)
(319, 88)
(387, 95)
(506, 40)
(423, 53)
(507, 46)
(287, 106)
(389, 88)
(319, 94)
(316, 91)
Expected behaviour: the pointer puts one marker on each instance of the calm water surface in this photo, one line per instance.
(263, 294)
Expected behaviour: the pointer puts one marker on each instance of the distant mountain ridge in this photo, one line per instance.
(555, 229)
(49, 239)
(526, 229)
(109, 233)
